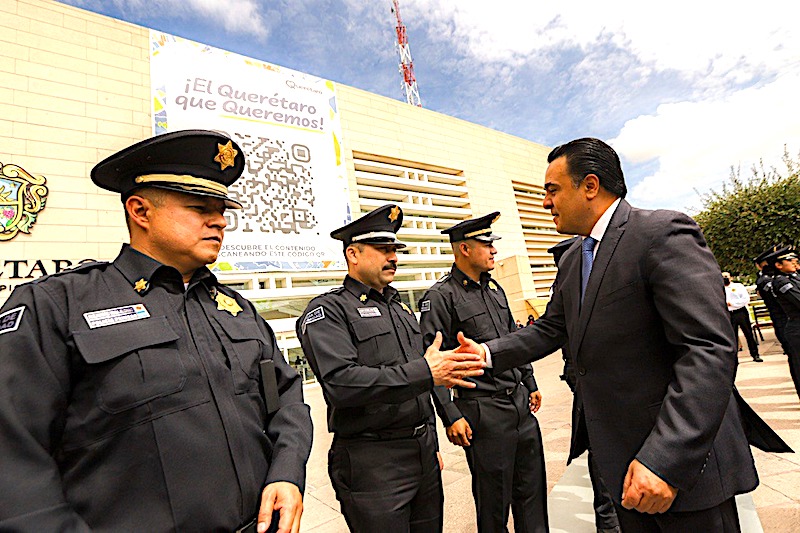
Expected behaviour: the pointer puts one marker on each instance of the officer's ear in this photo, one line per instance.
(464, 248)
(137, 211)
(351, 254)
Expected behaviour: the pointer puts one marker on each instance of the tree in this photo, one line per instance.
(751, 214)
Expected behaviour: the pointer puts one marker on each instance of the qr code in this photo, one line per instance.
(275, 188)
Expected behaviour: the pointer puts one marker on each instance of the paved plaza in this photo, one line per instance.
(774, 507)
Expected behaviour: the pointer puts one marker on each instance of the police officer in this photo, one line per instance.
(737, 298)
(764, 290)
(786, 289)
(364, 345)
(494, 421)
(141, 394)
(605, 517)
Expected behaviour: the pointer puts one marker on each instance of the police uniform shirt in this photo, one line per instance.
(480, 310)
(366, 349)
(787, 291)
(764, 289)
(129, 403)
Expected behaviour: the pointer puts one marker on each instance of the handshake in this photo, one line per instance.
(450, 368)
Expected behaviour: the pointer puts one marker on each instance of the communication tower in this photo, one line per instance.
(406, 63)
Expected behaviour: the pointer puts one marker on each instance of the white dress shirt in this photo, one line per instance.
(737, 296)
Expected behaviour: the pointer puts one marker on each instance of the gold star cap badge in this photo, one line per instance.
(141, 286)
(394, 213)
(226, 156)
(226, 303)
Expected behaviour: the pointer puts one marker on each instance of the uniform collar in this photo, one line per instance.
(466, 281)
(365, 292)
(142, 270)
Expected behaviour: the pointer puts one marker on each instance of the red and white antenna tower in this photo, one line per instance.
(406, 63)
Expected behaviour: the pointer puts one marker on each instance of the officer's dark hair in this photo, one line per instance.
(592, 156)
(769, 269)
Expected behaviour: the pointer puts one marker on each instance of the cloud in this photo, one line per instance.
(235, 16)
(731, 41)
(694, 144)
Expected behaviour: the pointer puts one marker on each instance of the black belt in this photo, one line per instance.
(391, 434)
(467, 394)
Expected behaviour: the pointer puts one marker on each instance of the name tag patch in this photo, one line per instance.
(424, 305)
(117, 315)
(9, 321)
(313, 316)
(369, 311)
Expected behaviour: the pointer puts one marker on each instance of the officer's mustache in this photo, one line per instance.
(391, 265)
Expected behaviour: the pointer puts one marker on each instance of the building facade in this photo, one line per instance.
(75, 87)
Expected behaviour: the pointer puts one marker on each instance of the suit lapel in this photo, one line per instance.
(608, 246)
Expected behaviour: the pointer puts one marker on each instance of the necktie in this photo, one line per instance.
(587, 247)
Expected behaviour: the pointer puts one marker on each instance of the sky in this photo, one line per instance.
(683, 90)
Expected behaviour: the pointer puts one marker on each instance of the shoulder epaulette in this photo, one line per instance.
(79, 268)
(443, 278)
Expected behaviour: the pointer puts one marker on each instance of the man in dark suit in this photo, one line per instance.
(641, 303)
(605, 518)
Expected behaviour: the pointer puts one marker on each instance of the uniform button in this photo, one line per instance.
(582, 371)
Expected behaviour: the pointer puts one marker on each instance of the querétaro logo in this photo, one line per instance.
(22, 196)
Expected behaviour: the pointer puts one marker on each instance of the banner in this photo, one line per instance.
(294, 186)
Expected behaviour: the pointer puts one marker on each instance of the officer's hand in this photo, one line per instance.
(284, 497)
(459, 433)
(449, 368)
(535, 401)
(441, 461)
(469, 346)
(646, 492)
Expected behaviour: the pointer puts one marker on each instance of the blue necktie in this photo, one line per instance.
(587, 247)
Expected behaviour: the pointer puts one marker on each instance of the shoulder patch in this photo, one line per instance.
(9, 321)
(424, 305)
(785, 288)
(313, 316)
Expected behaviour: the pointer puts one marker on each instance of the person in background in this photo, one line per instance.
(493, 422)
(605, 517)
(786, 289)
(737, 298)
(764, 289)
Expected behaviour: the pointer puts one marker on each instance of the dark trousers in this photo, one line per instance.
(506, 460)
(792, 334)
(388, 486)
(605, 517)
(779, 326)
(720, 519)
(740, 319)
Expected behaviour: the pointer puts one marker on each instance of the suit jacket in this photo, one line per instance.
(655, 358)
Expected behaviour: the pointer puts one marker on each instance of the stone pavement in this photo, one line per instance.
(767, 387)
